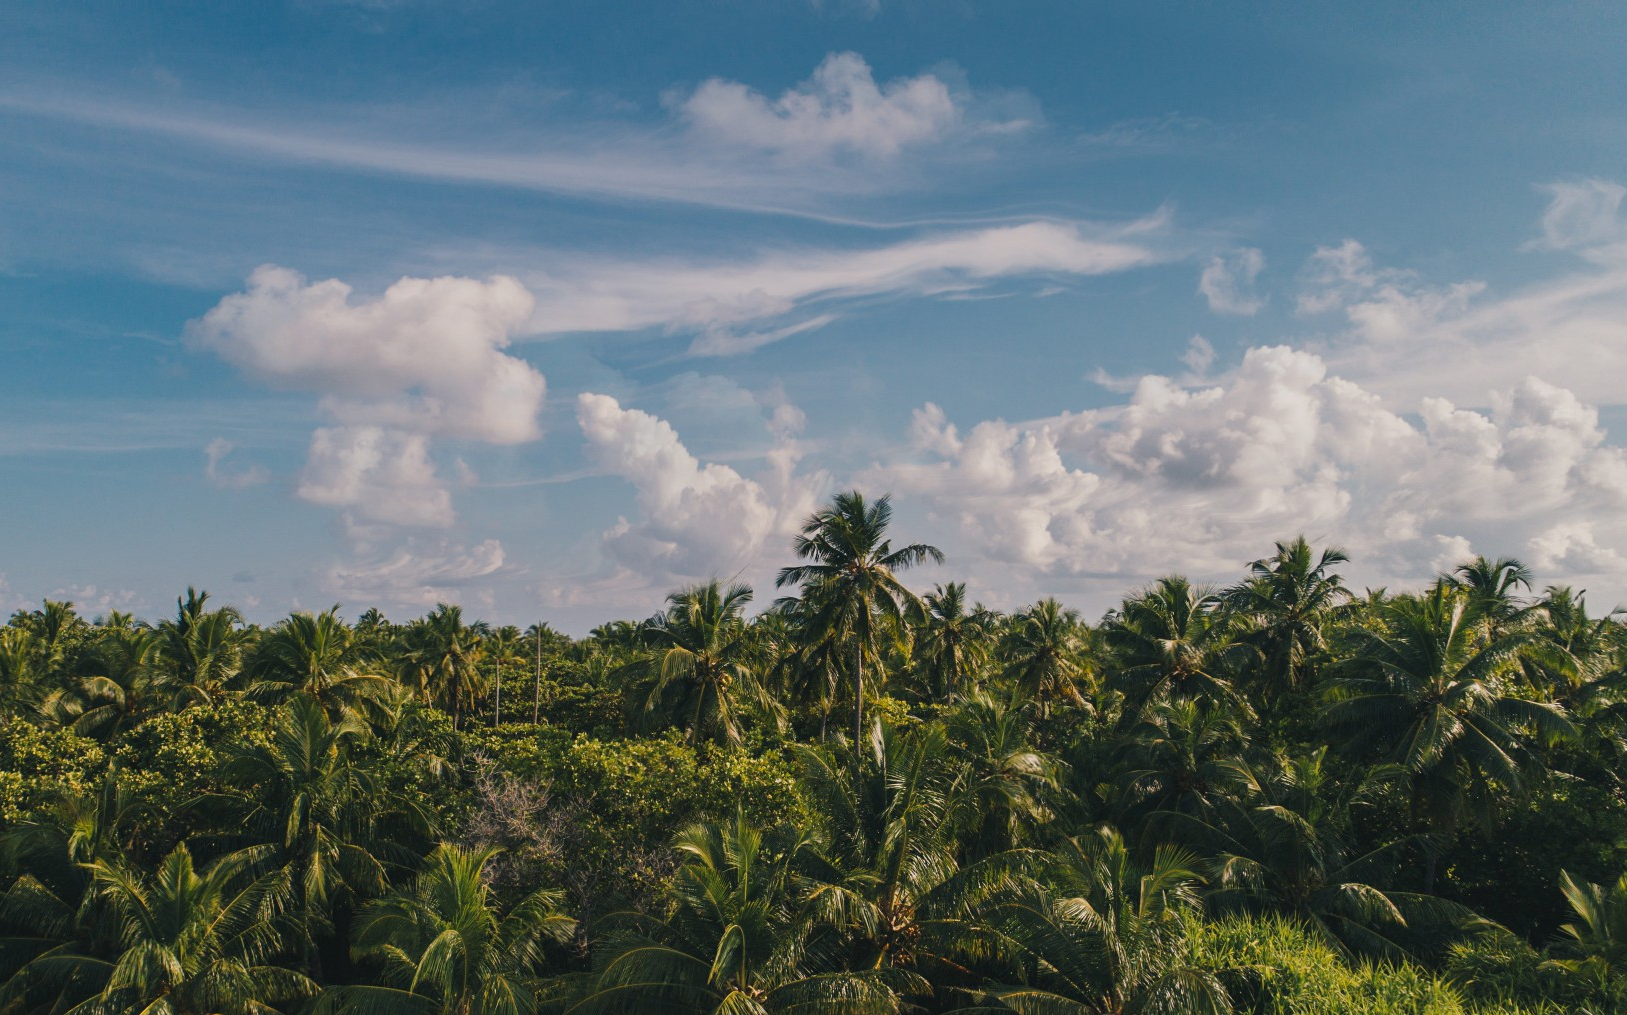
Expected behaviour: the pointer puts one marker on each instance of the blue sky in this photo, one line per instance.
(550, 309)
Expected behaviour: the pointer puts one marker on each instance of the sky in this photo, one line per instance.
(553, 309)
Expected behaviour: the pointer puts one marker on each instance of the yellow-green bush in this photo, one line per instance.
(1276, 967)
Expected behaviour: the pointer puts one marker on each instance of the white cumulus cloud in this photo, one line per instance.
(376, 475)
(696, 519)
(1200, 478)
(426, 355)
(840, 109)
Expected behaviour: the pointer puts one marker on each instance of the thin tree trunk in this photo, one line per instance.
(536, 685)
(497, 697)
(858, 705)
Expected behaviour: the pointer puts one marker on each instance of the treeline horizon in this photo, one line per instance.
(1278, 795)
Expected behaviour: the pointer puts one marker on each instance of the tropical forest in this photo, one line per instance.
(846, 793)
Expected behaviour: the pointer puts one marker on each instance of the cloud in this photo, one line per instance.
(93, 601)
(696, 519)
(376, 476)
(427, 355)
(717, 340)
(1584, 213)
(721, 144)
(10, 599)
(417, 575)
(214, 453)
(1201, 478)
(840, 109)
(1408, 339)
(1227, 282)
(1384, 305)
(720, 300)
(423, 360)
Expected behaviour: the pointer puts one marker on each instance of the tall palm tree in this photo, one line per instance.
(444, 658)
(1044, 653)
(1174, 640)
(188, 942)
(849, 590)
(1429, 695)
(737, 939)
(200, 649)
(445, 945)
(1290, 595)
(317, 656)
(951, 644)
(1491, 587)
(701, 670)
(540, 637)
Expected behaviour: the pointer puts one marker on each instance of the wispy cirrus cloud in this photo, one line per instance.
(739, 305)
(721, 144)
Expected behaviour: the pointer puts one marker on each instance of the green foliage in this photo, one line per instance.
(1275, 967)
(37, 765)
(1272, 798)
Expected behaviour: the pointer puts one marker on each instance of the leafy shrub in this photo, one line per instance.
(38, 764)
(1276, 967)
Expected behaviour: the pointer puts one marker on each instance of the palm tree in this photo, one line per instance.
(1490, 587)
(896, 886)
(1105, 936)
(849, 591)
(951, 643)
(303, 792)
(702, 670)
(20, 675)
(737, 938)
(1287, 849)
(1005, 787)
(188, 942)
(118, 690)
(1289, 596)
(50, 920)
(1173, 640)
(1428, 695)
(1182, 760)
(445, 658)
(1592, 948)
(318, 657)
(1045, 655)
(445, 946)
(199, 649)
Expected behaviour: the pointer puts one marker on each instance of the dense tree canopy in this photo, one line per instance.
(1277, 796)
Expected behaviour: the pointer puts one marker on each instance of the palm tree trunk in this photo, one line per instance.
(497, 697)
(536, 684)
(858, 704)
